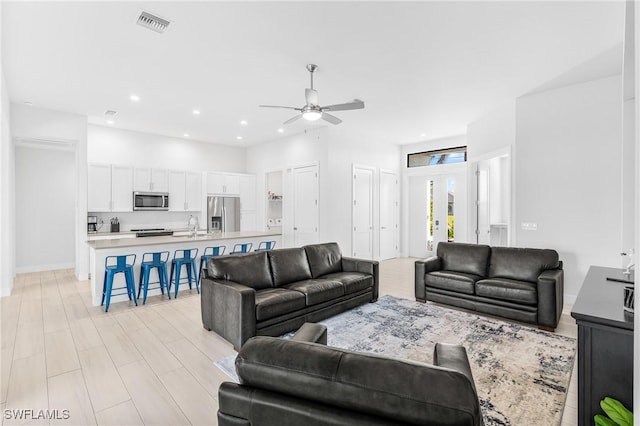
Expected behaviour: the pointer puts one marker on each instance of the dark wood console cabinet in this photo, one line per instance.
(605, 343)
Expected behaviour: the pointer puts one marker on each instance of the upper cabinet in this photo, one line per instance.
(110, 188)
(185, 191)
(223, 183)
(247, 192)
(150, 180)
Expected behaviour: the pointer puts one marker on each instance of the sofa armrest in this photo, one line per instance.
(453, 357)
(550, 297)
(311, 333)
(350, 264)
(422, 267)
(229, 309)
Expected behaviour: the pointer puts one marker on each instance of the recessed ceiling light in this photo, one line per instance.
(239, 137)
(110, 121)
(27, 103)
(196, 112)
(280, 130)
(134, 98)
(186, 135)
(243, 123)
(422, 135)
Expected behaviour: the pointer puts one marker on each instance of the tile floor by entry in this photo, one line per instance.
(150, 364)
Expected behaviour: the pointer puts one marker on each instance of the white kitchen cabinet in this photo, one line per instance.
(148, 179)
(247, 192)
(223, 183)
(121, 188)
(193, 190)
(110, 188)
(185, 191)
(99, 188)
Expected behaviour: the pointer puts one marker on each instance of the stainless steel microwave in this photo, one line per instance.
(150, 200)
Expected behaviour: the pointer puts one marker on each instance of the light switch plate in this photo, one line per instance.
(529, 226)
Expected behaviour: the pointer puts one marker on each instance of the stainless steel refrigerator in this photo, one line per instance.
(223, 214)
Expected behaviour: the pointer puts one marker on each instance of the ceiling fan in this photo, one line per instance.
(312, 111)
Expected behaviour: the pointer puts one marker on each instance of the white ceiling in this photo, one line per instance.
(424, 69)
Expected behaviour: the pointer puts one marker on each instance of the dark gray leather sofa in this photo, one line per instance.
(286, 382)
(518, 283)
(270, 293)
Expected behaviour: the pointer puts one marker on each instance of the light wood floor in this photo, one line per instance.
(150, 364)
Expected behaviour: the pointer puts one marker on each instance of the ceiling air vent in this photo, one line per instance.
(152, 22)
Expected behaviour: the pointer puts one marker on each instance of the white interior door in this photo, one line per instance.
(388, 214)
(438, 211)
(362, 212)
(482, 205)
(305, 205)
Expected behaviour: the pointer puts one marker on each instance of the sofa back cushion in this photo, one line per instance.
(324, 259)
(466, 258)
(522, 264)
(251, 269)
(404, 391)
(289, 265)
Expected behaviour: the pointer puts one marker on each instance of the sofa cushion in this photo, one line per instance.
(324, 258)
(353, 282)
(250, 269)
(466, 258)
(273, 302)
(317, 291)
(454, 281)
(289, 265)
(522, 264)
(506, 289)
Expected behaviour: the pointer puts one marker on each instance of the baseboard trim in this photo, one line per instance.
(41, 268)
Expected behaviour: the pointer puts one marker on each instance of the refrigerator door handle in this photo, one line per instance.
(224, 219)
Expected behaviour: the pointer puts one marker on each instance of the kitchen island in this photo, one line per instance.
(100, 249)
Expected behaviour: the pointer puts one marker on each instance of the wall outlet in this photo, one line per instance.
(529, 226)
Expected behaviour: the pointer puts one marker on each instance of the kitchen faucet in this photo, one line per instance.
(193, 225)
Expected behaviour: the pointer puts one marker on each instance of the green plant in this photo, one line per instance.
(618, 414)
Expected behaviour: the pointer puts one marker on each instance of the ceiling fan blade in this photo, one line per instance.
(278, 106)
(331, 118)
(292, 119)
(355, 104)
(311, 96)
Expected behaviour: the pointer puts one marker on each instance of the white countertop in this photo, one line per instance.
(170, 239)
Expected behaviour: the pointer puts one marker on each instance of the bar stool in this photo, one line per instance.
(242, 248)
(209, 252)
(265, 245)
(186, 258)
(156, 260)
(112, 266)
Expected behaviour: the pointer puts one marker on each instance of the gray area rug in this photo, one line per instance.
(521, 373)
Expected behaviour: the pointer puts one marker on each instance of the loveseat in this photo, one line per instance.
(523, 284)
(289, 382)
(270, 293)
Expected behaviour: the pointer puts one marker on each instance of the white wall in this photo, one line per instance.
(7, 234)
(304, 148)
(31, 123)
(344, 151)
(126, 147)
(568, 175)
(45, 206)
(494, 131)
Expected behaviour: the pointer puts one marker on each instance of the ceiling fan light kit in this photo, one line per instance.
(312, 111)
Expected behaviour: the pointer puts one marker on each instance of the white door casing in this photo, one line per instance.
(362, 212)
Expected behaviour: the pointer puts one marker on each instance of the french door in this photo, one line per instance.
(437, 212)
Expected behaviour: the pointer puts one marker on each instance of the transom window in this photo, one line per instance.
(439, 156)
